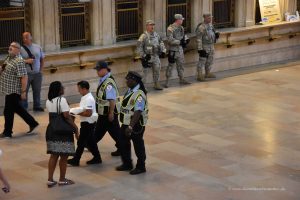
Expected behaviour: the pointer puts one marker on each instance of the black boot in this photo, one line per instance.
(115, 153)
(137, 171)
(74, 162)
(95, 160)
(124, 167)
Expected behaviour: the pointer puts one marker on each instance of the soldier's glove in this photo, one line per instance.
(145, 61)
(162, 55)
(187, 41)
(183, 43)
(217, 34)
(147, 57)
(203, 53)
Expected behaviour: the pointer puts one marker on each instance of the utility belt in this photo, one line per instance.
(85, 124)
(126, 116)
(103, 106)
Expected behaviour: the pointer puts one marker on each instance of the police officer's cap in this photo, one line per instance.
(101, 65)
(178, 17)
(150, 22)
(134, 76)
(207, 15)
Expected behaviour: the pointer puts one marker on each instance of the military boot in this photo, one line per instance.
(157, 86)
(200, 76)
(167, 83)
(209, 75)
(182, 81)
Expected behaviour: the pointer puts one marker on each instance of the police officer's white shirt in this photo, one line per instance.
(87, 102)
(52, 105)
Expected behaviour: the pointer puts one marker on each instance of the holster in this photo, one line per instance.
(145, 63)
(171, 56)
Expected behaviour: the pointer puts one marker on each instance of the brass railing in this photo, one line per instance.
(128, 19)
(74, 23)
(13, 22)
(179, 7)
(223, 12)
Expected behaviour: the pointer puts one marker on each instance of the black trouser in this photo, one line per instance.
(138, 144)
(13, 105)
(86, 140)
(103, 125)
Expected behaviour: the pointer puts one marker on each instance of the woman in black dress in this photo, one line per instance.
(59, 145)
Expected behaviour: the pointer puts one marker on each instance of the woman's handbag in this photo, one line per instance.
(59, 124)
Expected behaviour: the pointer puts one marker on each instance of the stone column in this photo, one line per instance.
(48, 25)
(148, 10)
(160, 16)
(240, 13)
(107, 22)
(95, 18)
(250, 12)
(287, 6)
(207, 6)
(196, 13)
(36, 24)
(291, 6)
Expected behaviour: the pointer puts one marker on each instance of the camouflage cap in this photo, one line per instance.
(207, 15)
(178, 17)
(150, 22)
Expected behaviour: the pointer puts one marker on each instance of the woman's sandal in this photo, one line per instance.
(66, 182)
(51, 183)
(5, 189)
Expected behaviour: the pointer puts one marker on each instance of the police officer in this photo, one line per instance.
(133, 116)
(177, 41)
(206, 37)
(107, 106)
(150, 47)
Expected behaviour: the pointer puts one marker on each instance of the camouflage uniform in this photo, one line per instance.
(175, 34)
(205, 40)
(151, 44)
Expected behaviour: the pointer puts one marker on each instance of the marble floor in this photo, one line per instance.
(234, 138)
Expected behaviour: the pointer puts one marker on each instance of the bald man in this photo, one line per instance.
(34, 60)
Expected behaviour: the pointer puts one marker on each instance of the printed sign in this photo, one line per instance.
(270, 11)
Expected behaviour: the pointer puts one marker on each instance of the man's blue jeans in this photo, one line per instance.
(35, 81)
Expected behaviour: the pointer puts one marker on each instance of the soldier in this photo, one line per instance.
(150, 47)
(177, 41)
(133, 116)
(107, 106)
(206, 37)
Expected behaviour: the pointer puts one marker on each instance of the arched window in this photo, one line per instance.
(74, 24)
(223, 12)
(14, 20)
(179, 7)
(129, 19)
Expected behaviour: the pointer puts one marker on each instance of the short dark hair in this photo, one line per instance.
(84, 85)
